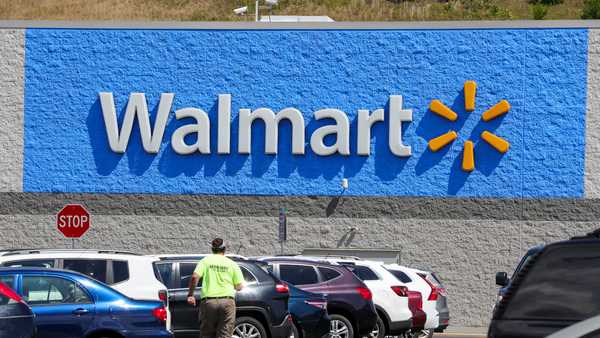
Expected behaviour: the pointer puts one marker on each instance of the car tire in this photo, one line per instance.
(340, 327)
(246, 327)
(295, 332)
(379, 330)
(423, 334)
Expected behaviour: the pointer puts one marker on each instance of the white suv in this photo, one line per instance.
(389, 297)
(129, 273)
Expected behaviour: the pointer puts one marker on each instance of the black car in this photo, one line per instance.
(16, 318)
(309, 312)
(262, 307)
(349, 301)
(555, 288)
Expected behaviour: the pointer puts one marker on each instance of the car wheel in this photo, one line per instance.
(340, 327)
(378, 330)
(248, 327)
(295, 332)
(423, 334)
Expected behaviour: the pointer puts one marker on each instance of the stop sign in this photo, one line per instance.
(73, 220)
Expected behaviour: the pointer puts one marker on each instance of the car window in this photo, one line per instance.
(560, 285)
(165, 272)
(8, 280)
(298, 274)
(185, 274)
(363, 273)
(328, 274)
(37, 263)
(4, 298)
(44, 290)
(95, 268)
(401, 276)
(248, 276)
(120, 271)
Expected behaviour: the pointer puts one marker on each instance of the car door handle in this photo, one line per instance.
(80, 312)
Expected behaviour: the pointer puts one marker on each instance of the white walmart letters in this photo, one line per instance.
(152, 138)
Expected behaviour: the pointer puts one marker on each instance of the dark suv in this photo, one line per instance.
(262, 307)
(555, 288)
(349, 301)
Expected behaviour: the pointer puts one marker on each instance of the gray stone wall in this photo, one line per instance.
(12, 56)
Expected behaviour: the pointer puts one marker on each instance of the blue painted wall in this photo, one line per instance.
(542, 73)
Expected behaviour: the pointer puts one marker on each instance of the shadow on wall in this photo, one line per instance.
(387, 166)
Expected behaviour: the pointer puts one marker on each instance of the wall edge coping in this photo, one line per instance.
(247, 25)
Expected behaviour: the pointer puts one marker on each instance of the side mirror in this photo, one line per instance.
(501, 279)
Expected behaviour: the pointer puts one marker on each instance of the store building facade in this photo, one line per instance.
(462, 144)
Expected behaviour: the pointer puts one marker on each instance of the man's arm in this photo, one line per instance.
(191, 287)
(193, 282)
(238, 278)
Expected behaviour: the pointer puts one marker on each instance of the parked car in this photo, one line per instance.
(389, 296)
(555, 288)
(309, 313)
(129, 273)
(68, 304)
(502, 278)
(16, 317)
(349, 300)
(262, 306)
(430, 294)
(438, 291)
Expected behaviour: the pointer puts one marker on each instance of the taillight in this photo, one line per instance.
(160, 313)
(365, 293)
(8, 292)
(434, 290)
(321, 304)
(282, 288)
(415, 299)
(401, 291)
(163, 296)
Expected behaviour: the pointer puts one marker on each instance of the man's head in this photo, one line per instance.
(218, 246)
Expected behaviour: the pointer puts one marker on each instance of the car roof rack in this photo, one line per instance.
(341, 257)
(589, 235)
(13, 252)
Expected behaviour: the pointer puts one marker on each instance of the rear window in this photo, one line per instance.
(164, 273)
(562, 284)
(8, 281)
(120, 271)
(248, 276)
(95, 268)
(363, 272)
(35, 263)
(328, 274)
(185, 274)
(298, 274)
(401, 276)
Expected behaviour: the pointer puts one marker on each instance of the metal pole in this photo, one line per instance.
(256, 11)
(72, 243)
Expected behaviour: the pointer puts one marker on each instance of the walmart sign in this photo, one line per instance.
(497, 113)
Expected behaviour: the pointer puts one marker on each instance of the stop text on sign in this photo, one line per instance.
(73, 220)
(152, 137)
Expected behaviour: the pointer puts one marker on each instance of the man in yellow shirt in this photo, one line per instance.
(221, 278)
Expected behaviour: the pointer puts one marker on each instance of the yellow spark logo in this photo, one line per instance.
(498, 143)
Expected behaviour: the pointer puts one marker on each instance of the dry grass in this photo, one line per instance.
(340, 10)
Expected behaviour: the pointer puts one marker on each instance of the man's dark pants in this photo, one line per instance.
(217, 317)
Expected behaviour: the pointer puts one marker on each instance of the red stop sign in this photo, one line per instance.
(73, 220)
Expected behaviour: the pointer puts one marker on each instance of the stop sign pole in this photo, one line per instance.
(73, 220)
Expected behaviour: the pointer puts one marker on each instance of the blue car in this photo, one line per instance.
(309, 313)
(68, 304)
(16, 318)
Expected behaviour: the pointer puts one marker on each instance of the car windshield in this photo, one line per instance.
(531, 253)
